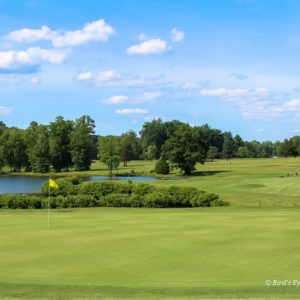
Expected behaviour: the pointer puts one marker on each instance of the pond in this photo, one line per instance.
(27, 184)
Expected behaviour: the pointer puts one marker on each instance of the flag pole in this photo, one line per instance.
(48, 205)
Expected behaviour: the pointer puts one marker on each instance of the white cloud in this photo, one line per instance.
(110, 78)
(142, 37)
(27, 35)
(84, 76)
(176, 35)
(190, 86)
(94, 31)
(4, 110)
(257, 103)
(132, 111)
(232, 94)
(24, 61)
(150, 96)
(115, 99)
(152, 46)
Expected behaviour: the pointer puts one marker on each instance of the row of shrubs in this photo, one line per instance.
(72, 193)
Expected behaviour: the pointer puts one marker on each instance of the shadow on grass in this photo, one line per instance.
(207, 173)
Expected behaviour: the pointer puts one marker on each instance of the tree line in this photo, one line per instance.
(65, 144)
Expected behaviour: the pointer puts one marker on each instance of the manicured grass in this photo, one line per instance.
(242, 182)
(108, 253)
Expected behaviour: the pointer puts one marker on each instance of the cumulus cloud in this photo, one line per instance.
(176, 35)
(27, 61)
(94, 31)
(132, 111)
(115, 100)
(257, 103)
(4, 110)
(151, 46)
(110, 78)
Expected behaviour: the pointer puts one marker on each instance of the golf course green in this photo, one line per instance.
(149, 253)
(249, 250)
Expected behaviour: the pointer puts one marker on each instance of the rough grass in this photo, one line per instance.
(109, 253)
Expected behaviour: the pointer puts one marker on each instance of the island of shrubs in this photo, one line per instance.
(71, 193)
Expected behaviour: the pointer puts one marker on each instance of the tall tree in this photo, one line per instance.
(129, 147)
(82, 143)
(39, 154)
(185, 148)
(60, 140)
(109, 152)
(228, 145)
(14, 149)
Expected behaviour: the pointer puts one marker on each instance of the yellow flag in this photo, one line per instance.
(53, 184)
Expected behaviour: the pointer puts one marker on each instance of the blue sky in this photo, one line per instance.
(233, 64)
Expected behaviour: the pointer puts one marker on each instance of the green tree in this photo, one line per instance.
(109, 152)
(212, 153)
(162, 166)
(186, 147)
(60, 143)
(228, 145)
(14, 149)
(82, 143)
(39, 154)
(129, 147)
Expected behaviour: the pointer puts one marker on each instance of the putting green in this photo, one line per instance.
(149, 253)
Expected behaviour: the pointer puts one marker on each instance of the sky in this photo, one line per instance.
(233, 64)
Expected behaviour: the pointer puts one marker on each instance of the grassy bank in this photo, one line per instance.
(242, 182)
(149, 253)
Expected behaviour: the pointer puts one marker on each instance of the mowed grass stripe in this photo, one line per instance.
(143, 252)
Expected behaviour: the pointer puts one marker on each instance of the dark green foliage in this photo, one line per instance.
(22, 201)
(160, 198)
(59, 140)
(82, 143)
(162, 167)
(182, 195)
(66, 186)
(203, 199)
(109, 152)
(186, 147)
(115, 200)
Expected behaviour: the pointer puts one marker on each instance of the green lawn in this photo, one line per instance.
(242, 182)
(149, 253)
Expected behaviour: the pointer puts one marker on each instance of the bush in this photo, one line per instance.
(183, 195)
(219, 202)
(203, 199)
(162, 167)
(21, 201)
(98, 189)
(143, 189)
(159, 198)
(66, 186)
(116, 200)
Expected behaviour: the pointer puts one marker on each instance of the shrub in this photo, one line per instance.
(203, 199)
(116, 200)
(183, 195)
(159, 198)
(162, 167)
(219, 202)
(66, 186)
(143, 189)
(21, 201)
(98, 189)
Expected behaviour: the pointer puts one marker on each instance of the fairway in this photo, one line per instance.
(149, 253)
